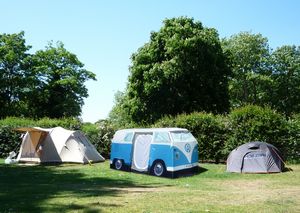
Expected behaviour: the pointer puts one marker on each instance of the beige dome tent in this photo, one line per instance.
(56, 145)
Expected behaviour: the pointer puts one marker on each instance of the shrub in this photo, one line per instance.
(293, 140)
(209, 130)
(9, 141)
(217, 135)
(100, 135)
(67, 123)
(167, 121)
(254, 123)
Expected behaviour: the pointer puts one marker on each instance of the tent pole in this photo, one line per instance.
(84, 155)
(281, 159)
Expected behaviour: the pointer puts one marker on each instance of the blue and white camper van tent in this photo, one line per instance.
(158, 151)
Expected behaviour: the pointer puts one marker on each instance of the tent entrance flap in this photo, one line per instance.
(37, 139)
(141, 152)
(32, 148)
(255, 162)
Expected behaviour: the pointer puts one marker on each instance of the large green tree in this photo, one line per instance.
(286, 77)
(49, 83)
(250, 60)
(13, 69)
(180, 70)
(58, 89)
(119, 114)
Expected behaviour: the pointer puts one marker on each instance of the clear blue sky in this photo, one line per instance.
(104, 34)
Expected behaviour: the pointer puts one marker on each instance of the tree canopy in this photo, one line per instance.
(250, 60)
(184, 67)
(13, 69)
(286, 77)
(49, 83)
(262, 76)
(180, 70)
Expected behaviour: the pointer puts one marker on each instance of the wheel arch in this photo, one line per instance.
(153, 164)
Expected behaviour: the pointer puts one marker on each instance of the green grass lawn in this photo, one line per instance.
(96, 188)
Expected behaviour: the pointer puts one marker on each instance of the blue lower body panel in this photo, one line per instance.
(121, 151)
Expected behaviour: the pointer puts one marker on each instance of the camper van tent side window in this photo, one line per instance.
(161, 137)
(182, 137)
(128, 137)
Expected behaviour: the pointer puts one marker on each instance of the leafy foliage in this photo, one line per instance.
(218, 135)
(13, 69)
(250, 60)
(286, 77)
(68, 123)
(119, 116)
(254, 123)
(100, 134)
(181, 69)
(59, 85)
(209, 130)
(293, 139)
(49, 83)
(262, 76)
(9, 141)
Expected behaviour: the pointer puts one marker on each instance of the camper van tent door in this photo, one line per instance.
(141, 152)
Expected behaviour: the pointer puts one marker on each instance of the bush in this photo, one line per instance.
(293, 140)
(209, 130)
(217, 135)
(254, 123)
(100, 135)
(9, 141)
(68, 123)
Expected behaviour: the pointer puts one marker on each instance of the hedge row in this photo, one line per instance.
(217, 135)
(210, 131)
(100, 134)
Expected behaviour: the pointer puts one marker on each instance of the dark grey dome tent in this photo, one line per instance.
(255, 157)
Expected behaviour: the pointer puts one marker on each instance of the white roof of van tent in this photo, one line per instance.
(58, 145)
(120, 134)
(153, 129)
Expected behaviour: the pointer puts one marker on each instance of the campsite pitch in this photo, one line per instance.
(96, 188)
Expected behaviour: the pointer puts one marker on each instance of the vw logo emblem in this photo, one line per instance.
(187, 147)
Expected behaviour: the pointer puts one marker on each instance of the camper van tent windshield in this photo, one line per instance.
(182, 137)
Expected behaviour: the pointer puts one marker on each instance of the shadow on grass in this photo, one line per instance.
(201, 170)
(287, 169)
(28, 188)
(189, 173)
